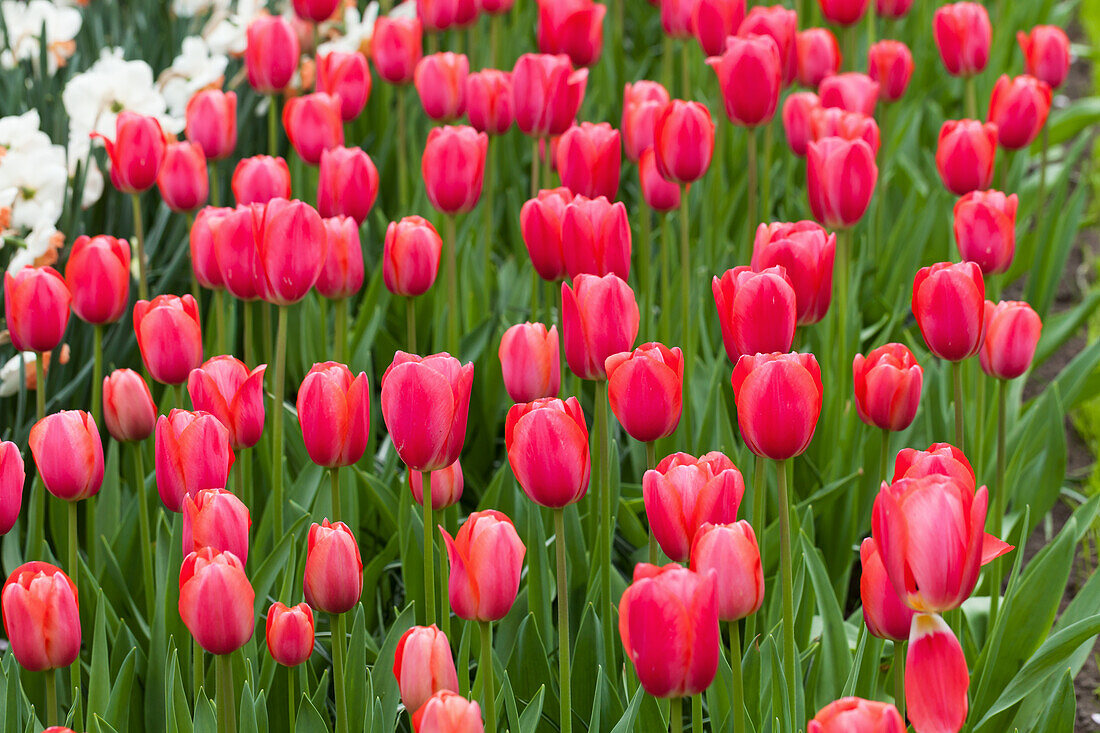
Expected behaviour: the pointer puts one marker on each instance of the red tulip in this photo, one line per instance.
(750, 75)
(344, 74)
(204, 263)
(782, 25)
(546, 93)
(540, 223)
(192, 453)
(271, 57)
(936, 677)
(12, 478)
(529, 361)
(1046, 53)
(495, 7)
(778, 402)
(1011, 335)
(645, 390)
(41, 617)
(547, 444)
(447, 485)
(448, 712)
(883, 612)
(599, 318)
(683, 140)
(334, 414)
(217, 519)
(489, 101)
(136, 153)
(98, 276)
(642, 101)
(169, 336)
(806, 252)
(348, 184)
(965, 154)
(486, 559)
(843, 12)
(588, 158)
(658, 193)
(453, 167)
(259, 179)
(892, 9)
(941, 459)
(289, 633)
(985, 229)
(315, 10)
(890, 63)
(128, 407)
(1019, 107)
(235, 252)
(949, 303)
(683, 493)
(396, 48)
(68, 453)
(818, 54)
(36, 306)
(731, 553)
(211, 121)
(333, 578)
(573, 28)
(676, 17)
(668, 621)
(225, 388)
(757, 310)
(887, 387)
(313, 125)
(797, 111)
(291, 246)
(423, 665)
(840, 180)
(595, 237)
(713, 21)
(835, 122)
(342, 275)
(440, 81)
(439, 15)
(425, 402)
(216, 600)
(963, 35)
(183, 181)
(851, 91)
(856, 715)
(410, 256)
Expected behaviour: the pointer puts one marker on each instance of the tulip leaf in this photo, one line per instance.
(835, 662)
(99, 676)
(355, 677)
(308, 719)
(585, 660)
(1060, 709)
(626, 723)
(532, 714)
(118, 706)
(385, 684)
(528, 665)
(206, 720)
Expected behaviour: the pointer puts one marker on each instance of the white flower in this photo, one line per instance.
(41, 239)
(24, 23)
(23, 132)
(226, 33)
(79, 154)
(191, 8)
(34, 168)
(358, 30)
(195, 68)
(10, 376)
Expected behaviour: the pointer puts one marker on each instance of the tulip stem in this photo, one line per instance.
(535, 167)
(410, 324)
(675, 715)
(607, 527)
(429, 549)
(650, 464)
(566, 690)
(843, 257)
(787, 578)
(40, 386)
(334, 472)
(292, 709)
(751, 215)
(277, 424)
(666, 280)
(645, 282)
(339, 634)
(452, 286)
(139, 236)
(1043, 168)
(198, 673)
(53, 713)
(494, 40)
(485, 670)
(177, 391)
(222, 320)
(143, 531)
(97, 413)
(402, 151)
(687, 316)
(759, 521)
(74, 575)
(971, 99)
(956, 373)
(273, 125)
(899, 677)
(340, 330)
(884, 456)
(685, 69)
(697, 713)
(738, 710)
(227, 713)
(215, 185)
(999, 502)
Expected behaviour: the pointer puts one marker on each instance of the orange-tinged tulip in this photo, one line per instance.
(41, 617)
(216, 600)
(423, 665)
(486, 559)
(68, 452)
(289, 633)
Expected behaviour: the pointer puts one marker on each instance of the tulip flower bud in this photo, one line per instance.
(334, 571)
(225, 388)
(183, 180)
(334, 414)
(41, 617)
(713, 21)
(235, 252)
(1019, 107)
(315, 11)
(668, 621)
(963, 35)
(750, 75)
(645, 390)
(851, 91)
(599, 318)
(12, 478)
(843, 12)
(36, 308)
(425, 402)
(136, 153)
(573, 28)
(313, 125)
(805, 251)
(216, 600)
(1046, 53)
(547, 443)
(642, 101)
(835, 122)
(348, 184)
(68, 452)
(683, 493)
(892, 9)
(448, 712)
(658, 194)
(396, 48)
(797, 110)
(1011, 335)
(169, 336)
(941, 459)
(890, 63)
(259, 179)
(965, 155)
(588, 158)
(546, 93)
(211, 121)
(204, 263)
(818, 54)
(850, 714)
(731, 553)
(128, 407)
(540, 223)
(439, 15)
(936, 676)
(344, 74)
(887, 387)
(529, 361)
(423, 665)
(342, 276)
(217, 519)
(489, 101)
(495, 7)
(291, 245)
(883, 612)
(453, 167)
(778, 402)
(757, 310)
(58, 729)
(289, 633)
(781, 25)
(676, 17)
(192, 453)
(440, 81)
(949, 304)
(840, 180)
(98, 276)
(410, 256)
(271, 57)
(595, 237)
(486, 559)
(447, 484)
(985, 230)
(683, 139)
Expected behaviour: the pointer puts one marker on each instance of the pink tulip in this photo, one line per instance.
(271, 57)
(98, 276)
(856, 715)
(778, 400)
(683, 493)
(805, 251)
(658, 193)
(840, 180)
(212, 122)
(291, 246)
(486, 559)
(342, 276)
(713, 21)
(41, 617)
(645, 390)
(192, 453)
(259, 179)
(540, 223)
(36, 308)
(547, 444)
(797, 109)
(782, 25)
(313, 125)
(941, 459)
(169, 336)
(883, 612)
(851, 91)
(642, 101)
(453, 167)
(965, 155)
(423, 665)
(985, 229)
(217, 519)
(334, 414)
(529, 361)
(588, 158)
(936, 677)
(440, 81)
(887, 387)
(489, 101)
(1011, 335)
(289, 633)
(546, 93)
(128, 408)
(225, 388)
(683, 139)
(750, 74)
(333, 578)
(595, 237)
(344, 74)
(12, 478)
(68, 453)
(216, 600)
(410, 256)
(183, 181)
(348, 184)
(818, 56)
(599, 318)
(757, 310)
(573, 28)
(731, 553)
(949, 304)
(447, 485)
(136, 153)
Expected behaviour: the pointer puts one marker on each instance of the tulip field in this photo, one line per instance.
(464, 366)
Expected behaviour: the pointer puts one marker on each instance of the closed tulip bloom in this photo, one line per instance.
(58, 729)
(342, 275)
(645, 390)
(540, 223)
(949, 304)
(941, 459)
(448, 712)
(546, 93)
(658, 193)
(128, 407)
(41, 617)
(599, 318)
(757, 310)
(486, 558)
(333, 578)
(344, 74)
(676, 17)
(713, 21)
(985, 229)
(334, 414)
(778, 400)
(192, 453)
(856, 715)
(169, 336)
(453, 167)
(883, 612)
(529, 361)
(204, 263)
(683, 493)
(423, 665)
(588, 158)
(425, 403)
(805, 251)
(291, 245)
(235, 252)
(843, 12)
(315, 10)
(890, 63)
(731, 552)
(668, 621)
(495, 7)
(749, 73)
(439, 15)
(396, 48)
(683, 139)
(98, 277)
(835, 122)
(547, 444)
(1046, 53)
(489, 101)
(782, 25)
(211, 122)
(225, 388)
(840, 180)
(289, 633)
(183, 180)
(965, 155)
(12, 478)
(217, 519)
(440, 81)
(595, 235)
(313, 125)
(447, 485)
(69, 454)
(1019, 107)
(259, 179)
(818, 55)
(892, 9)
(271, 57)
(1011, 335)
(887, 387)
(136, 153)
(797, 111)
(963, 35)
(410, 256)
(642, 101)
(36, 308)
(216, 600)
(348, 184)
(573, 28)
(851, 91)
(936, 676)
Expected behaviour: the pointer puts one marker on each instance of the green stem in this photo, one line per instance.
(143, 531)
(277, 423)
(340, 328)
(486, 669)
(139, 236)
(566, 690)
(697, 713)
(429, 549)
(667, 54)
(198, 675)
(787, 578)
(1043, 169)
(534, 167)
(759, 522)
(452, 286)
(177, 390)
(956, 373)
(273, 125)
(607, 526)
(666, 280)
(227, 702)
(40, 385)
(899, 677)
(74, 575)
(53, 712)
(884, 457)
(221, 318)
(97, 412)
(334, 473)
(1000, 500)
(676, 715)
(872, 30)
(848, 35)
(687, 315)
(751, 217)
(971, 99)
(36, 528)
(292, 709)
(685, 69)
(487, 222)
(765, 178)
(215, 184)
(410, 324)
(645, 272)
(339, 638)
(738, 710)
(494, 40)
(651, 463)
(843, 258)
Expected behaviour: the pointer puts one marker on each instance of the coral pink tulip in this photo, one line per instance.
(448, 712)
(645, 390)
(136, 153)
(805, 251)
(965, 155)
(289, 633)
(883, 612)
(757, 310)
(683, 493)
(128, 408)
(68, 453)
(396, 48)
(963, 34)
(887, 387)
(313, 125)
(348, 184)
(423, 665)
(949, 304)
(486, 559)
(599, 318)
(731, 552)
(225, 388)
(41, 617)
(529, 361)
(216, 600)
(851, 91)
(489, 101)
(547, 444)
(890, 63)
(333, 578)
(192, 453)
(1046, 53)
(36, 308)
(856, 715)
(1011, 335)
(595, 236)
(778, 402)
(1019, 107)
(259, 179)
(840, 180)
(217, 519)
(440, 81)
(169, 336)
(98, 276)
(985, 229)
(453, 167)
(211, 121)
(342, 275)
(344, 74)
(447, 485)
(334, 414)
(941, 459)
(683, 139)
(410, 256)
(835, 122)
(271, 57)
(936, 677)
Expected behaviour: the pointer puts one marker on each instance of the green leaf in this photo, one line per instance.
(626, 723)
(529, 666)
(308, 719)
(532, 714)
(206, 721)
(835, 663)
(118, 706)
(100, 675)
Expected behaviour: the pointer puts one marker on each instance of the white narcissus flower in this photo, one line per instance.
(11, 375)
(195, 68)
(191, 8)
(42, 243)
(226, 33)
(358, 30)
(24, 22)
(34, 168)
